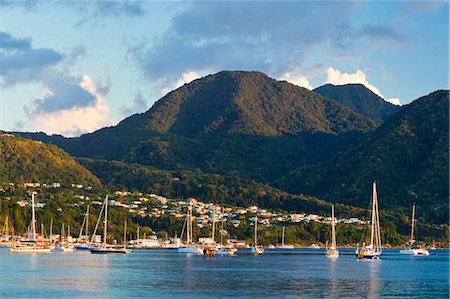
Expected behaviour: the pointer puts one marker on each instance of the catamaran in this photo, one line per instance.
(105, 248)
(412, 248)
(32, 245)
(373, 250)
(284, 246)
(256, 249)
(332, 251)
(190, 246)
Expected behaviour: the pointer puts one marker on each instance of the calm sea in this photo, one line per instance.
(164, 273)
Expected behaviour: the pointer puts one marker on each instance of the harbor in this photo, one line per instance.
(301, 273)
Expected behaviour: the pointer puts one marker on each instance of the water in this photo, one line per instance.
(165, 273)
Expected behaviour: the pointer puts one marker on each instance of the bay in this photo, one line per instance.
(299, 273)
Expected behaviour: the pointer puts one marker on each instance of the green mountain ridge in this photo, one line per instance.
(247, 125)
(23, 160)
(241, 123)
(360, 99)
(407, 155)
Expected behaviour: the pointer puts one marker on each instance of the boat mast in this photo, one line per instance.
(377, 220)
(105, 228)
(282, 237)
(125, 235)
(256, 230)
(87, 221)
(333, 230)
(138, 232)
(213, 228)
(33, 217)
(412, 224)
(372, 227)
(51, 229)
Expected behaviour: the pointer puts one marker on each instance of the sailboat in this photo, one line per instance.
(5, 237)
(373, 250)
(104, 248)
(332, 252)
(31, 246)
(412, 248)
(190, 246)
(220, 249)
(64, 245)
(256, 249)
(284, 246)
(83, 240)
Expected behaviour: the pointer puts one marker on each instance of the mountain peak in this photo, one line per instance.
(248, 103)
(360, 99)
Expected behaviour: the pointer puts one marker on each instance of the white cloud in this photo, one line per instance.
(72, 121)
(186, 77)
(395, 101)
(299, 80)
(335, 77)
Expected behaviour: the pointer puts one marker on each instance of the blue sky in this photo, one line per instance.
(70, 67)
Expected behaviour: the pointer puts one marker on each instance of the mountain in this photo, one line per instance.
(229, 122)
(408, 155)
(24, 160)
(360, 99)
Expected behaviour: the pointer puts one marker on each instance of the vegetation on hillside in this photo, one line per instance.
(23, 160)
(360, 99)
(408, 155)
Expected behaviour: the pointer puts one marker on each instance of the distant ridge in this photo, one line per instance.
(229, 122)
(360, 99)
(24, 161)
(408, 155)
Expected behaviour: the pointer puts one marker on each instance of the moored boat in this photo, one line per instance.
(104, 248)
(332, 251)
(412, 248)
(372, 250)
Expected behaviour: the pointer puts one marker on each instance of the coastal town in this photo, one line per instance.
(155, 206)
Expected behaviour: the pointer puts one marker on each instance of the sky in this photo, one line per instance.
(72, 67)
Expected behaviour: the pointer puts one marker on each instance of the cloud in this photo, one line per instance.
(299, 80)
(381, 32)
(240, 35)
(7, 42)
(93, 12)
(185, 78)
(335, 77)
(19, 62)
(139, 105)
(62, 93)
(272, 37)
(85, 112)
(395, 101)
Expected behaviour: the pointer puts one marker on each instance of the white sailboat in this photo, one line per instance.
(83, 240)
(190, 246)
(31, 246)
(284, 246)
(104, 248)
(373, 250)
(332, 251)
(412, 248)
(5, 236)
(220, 249)
(257, 249)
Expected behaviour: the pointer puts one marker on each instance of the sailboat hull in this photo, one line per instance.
(196, 250)
(367, 254)
(109, 250)
(416, 252)
(30, 250)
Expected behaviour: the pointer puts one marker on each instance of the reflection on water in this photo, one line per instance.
(374, 279)
(164, 273)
